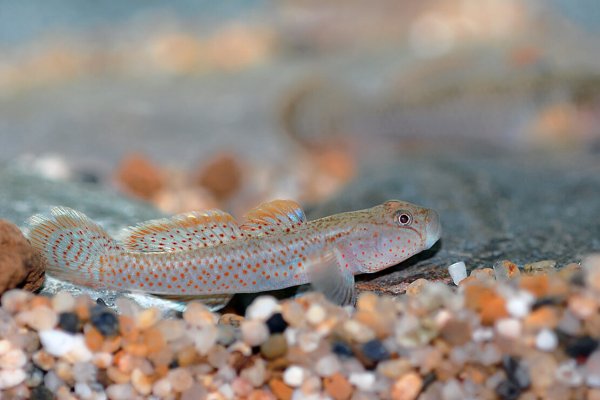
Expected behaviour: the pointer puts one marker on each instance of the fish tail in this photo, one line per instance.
(73, 245)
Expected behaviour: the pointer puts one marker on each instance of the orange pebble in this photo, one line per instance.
(128, 328)
(93, 339)
(486, 301)
(39, 301)
(154, 340)
(117, 376)
(536, 284)
(543, 317)
(111, 344)
(280, 389)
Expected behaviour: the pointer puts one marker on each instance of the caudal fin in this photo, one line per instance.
(72, 244)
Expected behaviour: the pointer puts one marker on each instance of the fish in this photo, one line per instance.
(209, 256)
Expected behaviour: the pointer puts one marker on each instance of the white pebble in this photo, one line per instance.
(5, 346)
(11, 377)
(327, 365)
(83, 390)
(458, 272)
(254, 332)
(79, 352)
(546, 340)
(204, 338)
(121, 391)
(262, 308)
(57, 343)
(315, 314)
(519, 304)
(294, 376)
(362, 380)
(63, 302)
(482, 334)
(162, 388)
(569, 374)
(509, 327)
(13, 359)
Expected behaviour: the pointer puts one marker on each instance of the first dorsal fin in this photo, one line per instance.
(274, 216)
(184, 231)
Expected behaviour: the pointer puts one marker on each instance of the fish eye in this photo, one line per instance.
(403, 217)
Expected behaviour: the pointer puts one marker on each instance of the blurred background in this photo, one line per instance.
(197, 104)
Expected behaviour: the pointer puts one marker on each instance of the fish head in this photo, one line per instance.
(394, 231)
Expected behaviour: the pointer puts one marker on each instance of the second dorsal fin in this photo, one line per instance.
(274, 216)
(184, 231)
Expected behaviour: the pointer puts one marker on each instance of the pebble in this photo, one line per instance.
(358, 332)
(546, 340)
(294, 375)
(262, 308)
(11, 377)
(519, 304)
(68, 322)
(581, 346)
(338, 387)
(276, 323)
(327, 365)
(122, 391)
(315, 314)
(15, 300)
(362, 380)
(56, 342)
(458, 272)
(375, 351)
(280, 389)
(147, 318)
(162, 388)
(275, 346)
(40, 318)
(416, 287)
(254, 332)
(180, 379)
(63, 302)
(13, 359)
(509, 327)
(197, 314)
(407, 387)
(505, 270)
(256, 373)
(104, 320)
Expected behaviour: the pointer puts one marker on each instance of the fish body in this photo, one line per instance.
(209, 254)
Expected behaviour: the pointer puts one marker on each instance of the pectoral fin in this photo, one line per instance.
(333, 280)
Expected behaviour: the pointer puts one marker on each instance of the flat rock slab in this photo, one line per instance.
(520, 208)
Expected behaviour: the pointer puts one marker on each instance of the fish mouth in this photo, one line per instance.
(433, 230)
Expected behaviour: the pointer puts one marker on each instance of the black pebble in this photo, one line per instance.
(104, 320)
(41, 393)
(342, 349)
(581, 346)
(374, 350)
(68, 322)
(276, 323)
(508, 390)
(516, 372)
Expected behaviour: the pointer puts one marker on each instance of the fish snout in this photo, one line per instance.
(433, 229)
